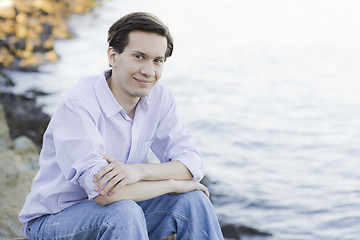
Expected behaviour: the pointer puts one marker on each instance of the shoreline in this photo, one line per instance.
(27, 32)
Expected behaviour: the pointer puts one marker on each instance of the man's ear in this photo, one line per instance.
(112, 56)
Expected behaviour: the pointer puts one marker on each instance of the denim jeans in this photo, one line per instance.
(189, 215)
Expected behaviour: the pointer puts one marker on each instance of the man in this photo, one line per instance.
(93, 181)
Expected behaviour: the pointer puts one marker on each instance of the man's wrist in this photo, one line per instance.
(140, 167)
(172, 185)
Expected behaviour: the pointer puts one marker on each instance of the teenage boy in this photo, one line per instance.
(93, 181)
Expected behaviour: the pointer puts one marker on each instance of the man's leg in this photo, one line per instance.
(88, 220)
(189, 215)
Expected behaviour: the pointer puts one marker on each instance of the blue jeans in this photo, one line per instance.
(189, 215)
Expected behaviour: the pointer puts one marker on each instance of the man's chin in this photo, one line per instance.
(141, 93)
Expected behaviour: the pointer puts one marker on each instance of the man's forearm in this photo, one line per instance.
(163, 171)
(116, 175)
(144, 190)
(138, 191)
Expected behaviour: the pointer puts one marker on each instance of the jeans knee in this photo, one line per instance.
(195, 197)
(194, 201)
(124, 218)
(124, 212)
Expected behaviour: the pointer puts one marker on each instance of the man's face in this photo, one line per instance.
(138, 68)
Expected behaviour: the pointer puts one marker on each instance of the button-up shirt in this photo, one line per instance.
(90, 123)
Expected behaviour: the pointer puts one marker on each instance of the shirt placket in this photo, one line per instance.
(133, 145)
(135, 128)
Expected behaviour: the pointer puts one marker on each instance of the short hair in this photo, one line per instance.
(118, 33)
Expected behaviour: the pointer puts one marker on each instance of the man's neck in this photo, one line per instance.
(128, 104)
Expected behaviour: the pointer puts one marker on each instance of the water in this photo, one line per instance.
(270, 90)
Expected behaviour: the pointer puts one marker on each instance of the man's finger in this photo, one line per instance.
(109, 159)
(207, 193)
(105, 169)
(104, 179)
(118, 186)
(111, 184)
(102, 172)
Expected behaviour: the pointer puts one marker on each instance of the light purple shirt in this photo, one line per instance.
(90, 123)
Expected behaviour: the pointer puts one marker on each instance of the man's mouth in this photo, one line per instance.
(143, 82)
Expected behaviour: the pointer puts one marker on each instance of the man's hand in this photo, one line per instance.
(115, 175)
(184, 186)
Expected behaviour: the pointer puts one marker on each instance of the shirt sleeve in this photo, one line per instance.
(79, 145)
(173, 141)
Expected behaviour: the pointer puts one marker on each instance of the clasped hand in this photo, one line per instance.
(114, 176)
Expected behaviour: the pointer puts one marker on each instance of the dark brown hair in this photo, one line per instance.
(142, 21)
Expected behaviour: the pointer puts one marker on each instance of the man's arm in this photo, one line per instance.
(116, 175)
(169, 170)
(144, 190)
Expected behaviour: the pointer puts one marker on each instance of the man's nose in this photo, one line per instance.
(148, 69)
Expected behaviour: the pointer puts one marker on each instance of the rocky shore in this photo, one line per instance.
(18, 166)
(28, 30)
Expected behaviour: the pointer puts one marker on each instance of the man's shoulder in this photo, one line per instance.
(83, 92)
(83, 84)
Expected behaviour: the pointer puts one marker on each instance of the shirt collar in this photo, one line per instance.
(107, 100)
(143, 103)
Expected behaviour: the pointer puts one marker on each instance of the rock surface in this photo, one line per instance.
(5, 140)
(24, 116)
(29, 28)
(17, 170)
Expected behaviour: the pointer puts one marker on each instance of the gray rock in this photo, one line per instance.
(16, 181)
(23, 144)
(28, 151)
(5, 140)
(17, 172)
(24, 116)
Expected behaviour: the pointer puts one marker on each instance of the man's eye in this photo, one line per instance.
(138, 56)
(159, 61)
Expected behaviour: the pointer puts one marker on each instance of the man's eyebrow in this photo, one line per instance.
(161, 58)
(139, 52)
(145, 55)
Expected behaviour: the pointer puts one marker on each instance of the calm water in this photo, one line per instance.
(270, 90)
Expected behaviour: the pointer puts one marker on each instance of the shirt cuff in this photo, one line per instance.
(86, 180)
(194, 164)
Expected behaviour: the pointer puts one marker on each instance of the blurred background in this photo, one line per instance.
(269, 89)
